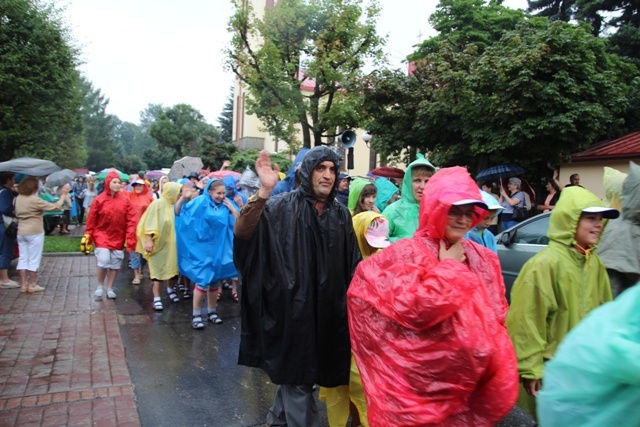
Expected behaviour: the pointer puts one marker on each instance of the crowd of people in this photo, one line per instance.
(389, 296)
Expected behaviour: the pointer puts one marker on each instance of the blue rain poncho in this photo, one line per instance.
(204, 231)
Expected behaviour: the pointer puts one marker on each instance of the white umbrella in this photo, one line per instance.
(184, 167)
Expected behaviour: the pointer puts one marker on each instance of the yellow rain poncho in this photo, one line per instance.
(158, 220)
(555, 290)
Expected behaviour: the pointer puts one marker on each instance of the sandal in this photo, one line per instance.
(197, 322)
(173, 296)
(35, 288)
(214, 318)
(235, 296)
(135, 281)
(219, 297)
(157, 305)
(186, 294)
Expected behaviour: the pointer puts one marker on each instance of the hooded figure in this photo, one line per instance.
(230, 182)
(428, 331)
(619, 248)
(204, 231)
(112, 219)
(387, 192)
(158, 220)
(296, 266)
(403, 214)
(556, 289)
(289, 182)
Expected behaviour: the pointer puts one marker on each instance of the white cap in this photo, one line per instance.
(608, 213)
(476, 202)
(138, 181)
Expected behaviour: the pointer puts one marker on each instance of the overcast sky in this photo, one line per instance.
(170, 51)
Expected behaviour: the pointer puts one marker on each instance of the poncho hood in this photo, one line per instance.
(361, 223)
(403, 214)
(355, 190)
(107, 182)
(563, 222)
(386, 190)
(313, 158)
(438, 197)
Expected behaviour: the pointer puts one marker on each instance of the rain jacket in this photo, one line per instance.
(428, 336)
(204, 230)
(403, 214)
(230, 182)
(555, 290)
(112, 219)
(296, 268)
(289, 182)
(158, 220)
(619, 247)
(140, 201)
(594, 378)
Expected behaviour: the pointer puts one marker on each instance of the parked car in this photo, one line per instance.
(519, 243)
(51, 219)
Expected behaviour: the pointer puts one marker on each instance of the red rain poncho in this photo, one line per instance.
(112, 219)
(140, 201)
(428, 336)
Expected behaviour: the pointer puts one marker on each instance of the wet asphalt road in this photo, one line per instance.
(187, 377)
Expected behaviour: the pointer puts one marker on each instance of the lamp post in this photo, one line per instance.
(367, 137)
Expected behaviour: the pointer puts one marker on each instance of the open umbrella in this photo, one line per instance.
(60, 178)
(104, 172)
(184, 167)
(154, 174)
(499, 171)
(29, 166)
(224, 173)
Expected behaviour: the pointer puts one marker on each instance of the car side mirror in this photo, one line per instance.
(505, 239)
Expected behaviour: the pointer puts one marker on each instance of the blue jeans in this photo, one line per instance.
(6, 249)
(136, 260)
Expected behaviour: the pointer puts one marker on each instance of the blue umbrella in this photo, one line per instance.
(499, 171)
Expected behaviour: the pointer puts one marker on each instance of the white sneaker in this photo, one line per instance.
(9, 284)
(99, 293)
(111, 294)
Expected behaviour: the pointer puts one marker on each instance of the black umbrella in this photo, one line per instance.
(29, 166)
(500, 171)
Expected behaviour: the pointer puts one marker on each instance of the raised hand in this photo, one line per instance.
(268, 177)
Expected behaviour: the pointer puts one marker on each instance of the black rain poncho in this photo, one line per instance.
(296, 268)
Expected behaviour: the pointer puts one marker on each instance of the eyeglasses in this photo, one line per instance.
(457, 213)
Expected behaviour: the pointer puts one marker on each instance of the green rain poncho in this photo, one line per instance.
(355, 189)
(555, 290)
(403, 214)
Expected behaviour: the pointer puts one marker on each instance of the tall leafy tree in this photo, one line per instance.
(555, 10)
(320, 45)
(99, 128)
(225, 119)
(183, 129)
(39, 101)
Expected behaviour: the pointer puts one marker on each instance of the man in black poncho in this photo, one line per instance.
(296, 253)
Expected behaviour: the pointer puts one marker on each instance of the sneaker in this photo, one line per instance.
(9, 284)
(99, 294)
(111, 294)
(214, 318)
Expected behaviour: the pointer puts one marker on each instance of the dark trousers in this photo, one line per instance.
(294, 406)
(80, 210)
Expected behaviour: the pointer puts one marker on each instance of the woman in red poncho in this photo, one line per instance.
(426, 318)
(140, 198)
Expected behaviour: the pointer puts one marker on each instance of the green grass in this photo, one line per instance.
(61, 244)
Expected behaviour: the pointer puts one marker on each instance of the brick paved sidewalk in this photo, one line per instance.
(62, 362)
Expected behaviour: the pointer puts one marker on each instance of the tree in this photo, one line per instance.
(39, 101)
(300, 62)
(464, 22)
(225, 119)
(555, 10)
(540, 93)
(181, 128)
(99, 128)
